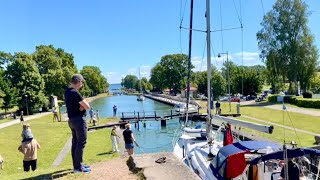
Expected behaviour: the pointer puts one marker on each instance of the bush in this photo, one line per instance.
(307, 94)
(308, 103)
(290, 99)
(272, 98)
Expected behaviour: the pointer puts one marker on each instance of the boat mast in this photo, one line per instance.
(140, 82)
(209, 123)
(189, 61)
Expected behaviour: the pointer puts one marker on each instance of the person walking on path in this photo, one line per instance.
(76, 108)
(21, 117)
(29, 149)
(55, 115)
(97, 115)
(218, 107)
(114, 111)
(129, 140)
(114, 136)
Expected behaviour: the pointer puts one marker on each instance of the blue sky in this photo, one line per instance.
(121, 36)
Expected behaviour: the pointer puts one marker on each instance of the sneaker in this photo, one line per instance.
(86, 166)
(84, 170)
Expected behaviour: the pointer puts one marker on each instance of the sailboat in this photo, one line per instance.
(140, 97)
(213, 154)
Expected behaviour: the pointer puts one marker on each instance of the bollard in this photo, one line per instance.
(238, 108)
(144, 123)
(163, 122)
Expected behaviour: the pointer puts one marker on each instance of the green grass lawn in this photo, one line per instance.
(5, 120)
(300, 121)
(52, 138)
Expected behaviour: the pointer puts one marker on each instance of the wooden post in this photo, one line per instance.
(122, 116)
(155, 115)
(171, 113)
(138, 116)
(144, 123)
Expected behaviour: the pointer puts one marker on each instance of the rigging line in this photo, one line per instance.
(235, 7)
(215, 57)
(295, 131)
(204, 49)
(217, 30)
(184, 9)
(221, 26)
(262, 7)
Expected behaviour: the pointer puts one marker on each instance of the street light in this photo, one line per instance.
(228, 75)
(27, 104)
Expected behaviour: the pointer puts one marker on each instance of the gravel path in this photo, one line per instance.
(26, 118)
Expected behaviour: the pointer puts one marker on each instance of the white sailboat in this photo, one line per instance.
(140, 97)
(213, 156)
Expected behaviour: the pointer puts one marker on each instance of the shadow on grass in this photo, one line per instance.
(104, 153)
(53, 175)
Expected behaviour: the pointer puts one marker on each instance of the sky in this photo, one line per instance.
(123, 36)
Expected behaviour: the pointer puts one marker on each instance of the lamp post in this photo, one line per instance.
(228, 76)
(27, 104)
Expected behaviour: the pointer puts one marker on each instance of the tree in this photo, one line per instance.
(8, 93)
(130, 81)
(156, 78)
(174, 70)
(50, 68)
(218, 83)
(24, 75)
(145, 84)
(285, 40)
(252, 81)
(94, 79)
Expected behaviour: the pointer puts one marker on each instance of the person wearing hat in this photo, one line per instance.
(76, 108)
(129, 140)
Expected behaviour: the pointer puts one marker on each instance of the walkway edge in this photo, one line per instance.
(63, 153)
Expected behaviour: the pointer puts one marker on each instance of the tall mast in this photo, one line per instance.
(189, 60)
(209, 123)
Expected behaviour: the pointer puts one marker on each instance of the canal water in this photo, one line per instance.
(152, 137)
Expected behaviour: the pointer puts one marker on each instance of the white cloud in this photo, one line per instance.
(248, 56)
(113, 77)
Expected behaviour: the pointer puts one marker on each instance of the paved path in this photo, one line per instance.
(280, 125)
(26, 118)
(294, 109)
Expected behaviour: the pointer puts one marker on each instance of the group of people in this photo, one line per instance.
(94, 116)
(76, 109)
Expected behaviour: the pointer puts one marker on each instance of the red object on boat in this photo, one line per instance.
(236, 164)
(228, 138)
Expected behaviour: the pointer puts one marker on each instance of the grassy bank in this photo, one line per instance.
(90, 99)
(52, 138)
(291, 119)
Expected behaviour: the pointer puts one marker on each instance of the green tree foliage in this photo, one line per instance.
(145, 85)
(315, 83)
(252, 81)
(286, 45)
(170, 72)
(130, 82)
(24, 75)
(95, 80)
(156, 78)
(56, 67)
(218, 83)
(8, 93)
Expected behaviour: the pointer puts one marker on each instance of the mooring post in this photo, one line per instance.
(171, 113)
(138, 116)
(144, 123)
(155, 115)
(163, 122)
(122, 116)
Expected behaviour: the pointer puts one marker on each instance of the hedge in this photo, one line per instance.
(299, 101)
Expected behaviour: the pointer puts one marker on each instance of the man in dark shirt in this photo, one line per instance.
(294, 171)
(129, 139)
(76, 108)
(218, 107)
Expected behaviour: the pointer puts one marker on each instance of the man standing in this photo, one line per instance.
(218, 107)
(76, 108)
(91, 115)
(114, 111)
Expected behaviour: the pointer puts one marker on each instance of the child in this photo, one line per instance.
(26, 133)
(94, 119)
(114, 139)
(29, 149)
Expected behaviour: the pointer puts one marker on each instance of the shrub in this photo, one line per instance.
(307, 94)
(272, 98)
(308, 103)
